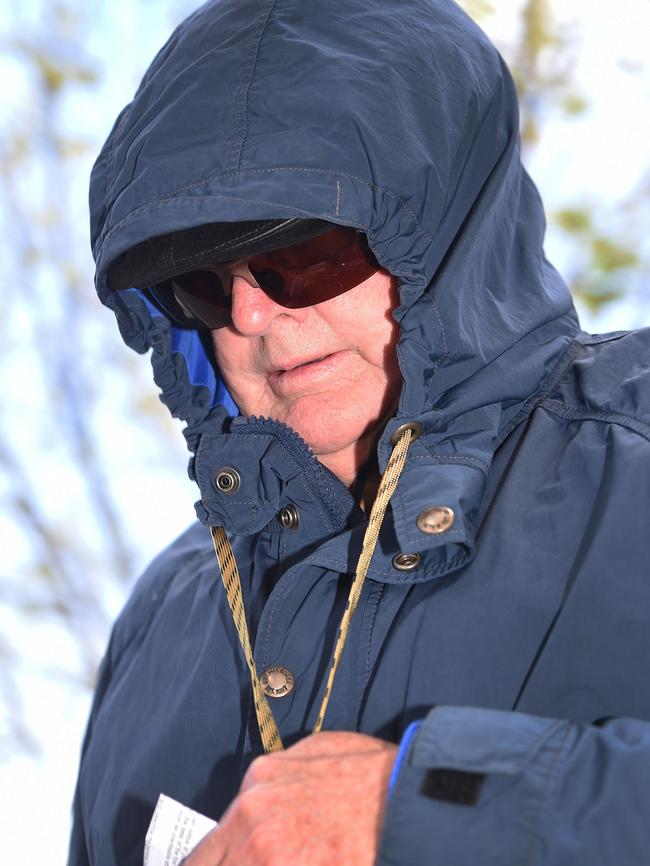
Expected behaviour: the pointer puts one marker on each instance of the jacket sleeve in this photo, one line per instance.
(501, 788)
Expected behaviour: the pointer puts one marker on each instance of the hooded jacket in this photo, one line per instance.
(520, 637)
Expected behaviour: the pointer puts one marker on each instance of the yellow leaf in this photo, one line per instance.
(610, 256)
(573, 220)
(574, 104)
(596, 300)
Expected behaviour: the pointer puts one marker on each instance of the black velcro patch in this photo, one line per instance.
(453, 786)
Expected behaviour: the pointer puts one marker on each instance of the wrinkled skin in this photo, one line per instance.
(340, 407)
(319, 803)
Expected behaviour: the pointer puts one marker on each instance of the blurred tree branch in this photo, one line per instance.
(60, 355)
(607, 263)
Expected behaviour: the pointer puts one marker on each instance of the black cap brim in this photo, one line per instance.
(170, 255)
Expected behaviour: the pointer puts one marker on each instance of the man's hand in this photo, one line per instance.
(319, 803)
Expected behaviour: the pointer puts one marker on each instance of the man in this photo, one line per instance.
(427, 490)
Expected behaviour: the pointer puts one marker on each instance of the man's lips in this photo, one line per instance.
(298, 373)
(286, 365)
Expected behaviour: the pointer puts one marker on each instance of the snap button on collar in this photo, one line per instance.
(289, 517)
(227, 480)
(406, 561)
(435, 520)
(277, 681)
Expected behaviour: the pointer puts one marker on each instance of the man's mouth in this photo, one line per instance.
(288, 366)
(300, 373)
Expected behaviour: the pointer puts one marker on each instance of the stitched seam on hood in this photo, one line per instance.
(240, 104)
(173, 196)
(427, 297)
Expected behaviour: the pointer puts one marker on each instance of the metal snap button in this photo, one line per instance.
(227, 480)
(436, 519)
(277, 681)
(414, 426)
(406, 561)
(289, 517)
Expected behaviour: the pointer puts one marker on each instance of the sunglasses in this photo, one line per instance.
(302, 275)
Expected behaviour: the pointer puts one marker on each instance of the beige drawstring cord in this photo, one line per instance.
(231, 581)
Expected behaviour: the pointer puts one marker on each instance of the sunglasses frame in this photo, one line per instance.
(165, 295)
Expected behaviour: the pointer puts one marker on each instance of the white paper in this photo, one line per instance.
(173, 832)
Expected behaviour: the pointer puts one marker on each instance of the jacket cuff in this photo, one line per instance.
(469, 787)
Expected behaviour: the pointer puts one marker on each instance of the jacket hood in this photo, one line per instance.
(396, 117)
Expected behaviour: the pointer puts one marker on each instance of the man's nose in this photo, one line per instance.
(253, 312)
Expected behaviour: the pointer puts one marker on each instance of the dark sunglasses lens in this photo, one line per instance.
(315, 270)
(305, 274)
(270, 280)
(201, 296)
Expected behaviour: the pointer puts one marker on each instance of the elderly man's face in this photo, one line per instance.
(329, 371)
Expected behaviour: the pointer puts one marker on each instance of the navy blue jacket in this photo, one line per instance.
(521, 638)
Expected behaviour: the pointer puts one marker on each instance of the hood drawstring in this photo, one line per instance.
(231, 581)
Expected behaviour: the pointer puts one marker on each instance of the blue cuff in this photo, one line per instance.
(403, 749)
